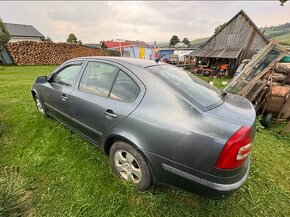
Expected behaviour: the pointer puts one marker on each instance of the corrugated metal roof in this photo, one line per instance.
(114, 44)
(230, 53)
(204, 52)
(214, 53)
(195, 52)
(138, 43)
(22, 30)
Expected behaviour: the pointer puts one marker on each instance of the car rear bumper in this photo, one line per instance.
(207, 183)
(214, 185)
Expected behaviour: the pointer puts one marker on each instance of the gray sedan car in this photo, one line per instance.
(158, 123)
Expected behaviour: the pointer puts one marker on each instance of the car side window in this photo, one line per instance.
(124, 89)
(98, 78)
(67, 75)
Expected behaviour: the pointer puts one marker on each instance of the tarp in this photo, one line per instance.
(285, 59)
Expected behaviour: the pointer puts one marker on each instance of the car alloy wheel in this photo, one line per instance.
(129, 163)
(40, 106)
(127, 166)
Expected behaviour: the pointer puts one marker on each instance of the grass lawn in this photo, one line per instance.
(283, 39)
(67, 176)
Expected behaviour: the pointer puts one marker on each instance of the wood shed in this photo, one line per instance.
(239, 39)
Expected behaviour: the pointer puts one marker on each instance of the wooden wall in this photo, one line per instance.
(239, 33)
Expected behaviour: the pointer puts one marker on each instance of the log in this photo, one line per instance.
(283, 68)
(279, 77)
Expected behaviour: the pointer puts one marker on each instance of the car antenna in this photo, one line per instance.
(157, 59)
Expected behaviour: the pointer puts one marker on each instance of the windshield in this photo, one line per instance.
(194, 89)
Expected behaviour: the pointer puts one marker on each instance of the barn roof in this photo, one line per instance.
(229, 53)
(23, 30)
(138, 43)
(249, 19)
(214, 48)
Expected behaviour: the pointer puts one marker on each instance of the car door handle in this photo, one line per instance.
(110, 114)
(63, 97)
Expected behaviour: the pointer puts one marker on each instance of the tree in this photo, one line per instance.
(80, 42)
(72, 39)
(186, 41)
(4, 37)
(174, 40)
(218, 28)
(282, 2)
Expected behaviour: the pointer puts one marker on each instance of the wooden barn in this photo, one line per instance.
(239, 39)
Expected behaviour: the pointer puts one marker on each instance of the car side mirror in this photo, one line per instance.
(41, 80)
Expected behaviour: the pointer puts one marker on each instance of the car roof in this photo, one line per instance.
(133, 61)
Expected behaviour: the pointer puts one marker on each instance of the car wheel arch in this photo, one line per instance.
(109, 141)
(33, 92)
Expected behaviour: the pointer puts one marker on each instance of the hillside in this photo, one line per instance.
(198, 42)
(280, 33)
(283, 39)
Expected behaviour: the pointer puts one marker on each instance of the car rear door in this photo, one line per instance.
(56, 90)
(105, 94)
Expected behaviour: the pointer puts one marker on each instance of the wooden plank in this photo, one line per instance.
(251, 64)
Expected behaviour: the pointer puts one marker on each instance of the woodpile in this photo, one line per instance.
(281, 72)
(279, 102)
(49, 53)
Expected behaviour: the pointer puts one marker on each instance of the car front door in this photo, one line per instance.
(56, 91)
(106, 94)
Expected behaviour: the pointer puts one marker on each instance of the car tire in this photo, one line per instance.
(40, 106)
(128, 163)
(266, 120)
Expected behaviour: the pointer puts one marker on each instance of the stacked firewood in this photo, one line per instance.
(281, 73)
(49, 53)
(278, 103)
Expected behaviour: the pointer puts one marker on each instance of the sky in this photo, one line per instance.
(94, 21)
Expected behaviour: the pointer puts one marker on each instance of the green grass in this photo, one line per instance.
(283, 39)
(71, 177)
(217, 82)
(199, 41)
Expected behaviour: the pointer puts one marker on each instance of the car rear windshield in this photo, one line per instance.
(191, 87)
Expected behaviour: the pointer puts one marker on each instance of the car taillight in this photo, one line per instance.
(236, 150)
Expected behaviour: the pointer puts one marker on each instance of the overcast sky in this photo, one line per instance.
(92, 22)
